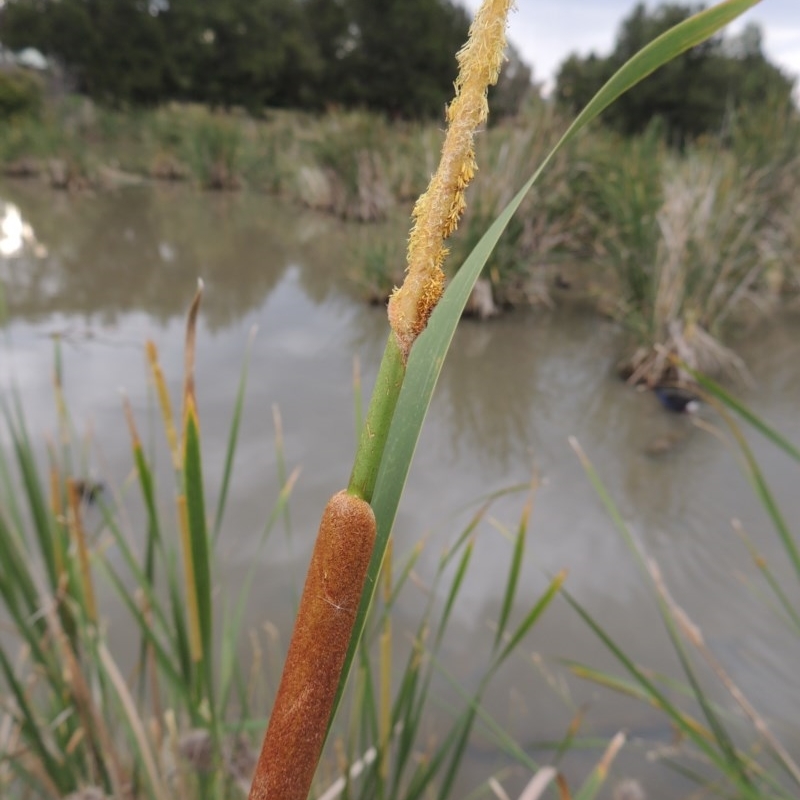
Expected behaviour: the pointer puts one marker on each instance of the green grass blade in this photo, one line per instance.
(513, 576)
(766, 497)
(10, 504)
(452, 594)
(785, 605)
(728, 754)
(166, 665)
(532, 616)
(233, 437)
(233, 622)
(200, 551)
(769, 433)
(37, 503)
(660, 700)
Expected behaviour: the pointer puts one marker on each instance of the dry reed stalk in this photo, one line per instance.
(101, 748)
(328, 606)
(78, 535)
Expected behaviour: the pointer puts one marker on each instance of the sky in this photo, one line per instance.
(546, 31)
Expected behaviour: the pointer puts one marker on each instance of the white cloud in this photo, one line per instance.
(547, 31)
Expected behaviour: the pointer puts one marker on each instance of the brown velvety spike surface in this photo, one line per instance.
(328, 607)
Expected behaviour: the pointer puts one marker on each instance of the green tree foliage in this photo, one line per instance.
(693, 93)
(249, 53)
(399, 55)
(512, 89)
(394, 56)
(20, 93)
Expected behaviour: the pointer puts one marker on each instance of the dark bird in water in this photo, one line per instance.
(88, 490)
(679, 399)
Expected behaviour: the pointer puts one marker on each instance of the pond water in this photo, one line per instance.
(106, 272)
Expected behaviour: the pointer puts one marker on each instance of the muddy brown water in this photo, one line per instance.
(105, 272)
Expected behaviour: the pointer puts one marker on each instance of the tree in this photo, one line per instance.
(394, 56)
(116, 51)
(248, 53)
(513, 88)
(692, 94)
(398, 56)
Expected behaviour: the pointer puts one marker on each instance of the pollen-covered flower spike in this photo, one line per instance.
(438, 210)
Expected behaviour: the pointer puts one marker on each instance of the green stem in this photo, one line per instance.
(372, 442)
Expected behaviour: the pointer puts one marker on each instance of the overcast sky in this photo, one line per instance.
(546, 31)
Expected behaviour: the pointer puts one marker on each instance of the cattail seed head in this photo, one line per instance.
(438, 211)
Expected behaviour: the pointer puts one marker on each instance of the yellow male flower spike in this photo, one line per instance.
(438, 210)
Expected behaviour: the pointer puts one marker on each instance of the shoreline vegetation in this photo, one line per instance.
(682, 247)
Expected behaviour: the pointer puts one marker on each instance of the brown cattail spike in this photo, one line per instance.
(325, 619)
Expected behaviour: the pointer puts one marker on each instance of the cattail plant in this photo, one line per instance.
(335, 581)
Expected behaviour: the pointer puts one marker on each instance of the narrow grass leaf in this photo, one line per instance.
(174, 675)
(37, 503)
(198, 541)
(659, 699)
(233, 437)
(146, 757)
(784, 603)
(233, 623)
(513, 576)
(455, 586)
(728, 754)
(766, 497)
(769, 433)
(530, 618)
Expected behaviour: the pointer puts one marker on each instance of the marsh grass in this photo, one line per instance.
(706, 267)
(180, 720)
(377, 262)
(351, 152)
(213, 150)
(691, 239)
(732, 754)
(71, 720)
(182, 714)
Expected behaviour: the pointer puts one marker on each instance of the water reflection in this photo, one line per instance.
(16, 234)
(143, 248)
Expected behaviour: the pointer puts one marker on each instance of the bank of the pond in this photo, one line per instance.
(104, 272)
(679, 247)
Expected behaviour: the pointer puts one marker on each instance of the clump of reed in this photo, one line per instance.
(72, 721)
(687, 237)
